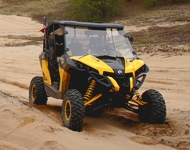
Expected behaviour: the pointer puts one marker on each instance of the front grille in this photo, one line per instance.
(122, 81)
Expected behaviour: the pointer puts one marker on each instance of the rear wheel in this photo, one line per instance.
(155, 110)
(73, 111)
(37, 93)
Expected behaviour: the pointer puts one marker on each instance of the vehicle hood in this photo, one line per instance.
(102, 64)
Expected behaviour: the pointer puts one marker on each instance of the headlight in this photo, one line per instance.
(143, 69)
(82, 66)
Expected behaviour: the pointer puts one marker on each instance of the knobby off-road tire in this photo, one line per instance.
(155, 111)
(37, 93)
(73, 110)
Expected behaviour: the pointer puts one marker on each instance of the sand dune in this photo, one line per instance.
(27, 126)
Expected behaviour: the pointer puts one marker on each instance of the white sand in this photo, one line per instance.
(25, 126)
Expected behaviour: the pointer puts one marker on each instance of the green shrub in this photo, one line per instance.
(150, 3)
(93, 10)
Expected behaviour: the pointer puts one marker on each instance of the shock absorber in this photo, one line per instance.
(90, 90)
(138, 99)
(138, 96)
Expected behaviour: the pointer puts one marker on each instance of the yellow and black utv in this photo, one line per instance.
(92, 66)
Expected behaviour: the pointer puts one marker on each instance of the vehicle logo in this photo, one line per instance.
(119, 72)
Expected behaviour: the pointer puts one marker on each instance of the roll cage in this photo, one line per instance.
(56, 33)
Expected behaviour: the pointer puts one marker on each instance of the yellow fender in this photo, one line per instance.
(64, 80)
(46, 73)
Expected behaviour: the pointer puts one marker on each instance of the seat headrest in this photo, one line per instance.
(59, 38)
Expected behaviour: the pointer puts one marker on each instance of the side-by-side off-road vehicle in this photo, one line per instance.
(90, 67)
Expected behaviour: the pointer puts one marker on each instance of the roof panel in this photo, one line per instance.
(84, 24)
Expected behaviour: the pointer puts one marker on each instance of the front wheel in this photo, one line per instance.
(37, 93)
(73, 111)
(155, 109)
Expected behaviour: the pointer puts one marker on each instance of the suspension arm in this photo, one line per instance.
(93, 99)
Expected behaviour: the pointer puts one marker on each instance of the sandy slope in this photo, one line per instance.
(25, 126)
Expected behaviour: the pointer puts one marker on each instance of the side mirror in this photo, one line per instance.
(131, 39)
(65, 32)
(67, 49)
